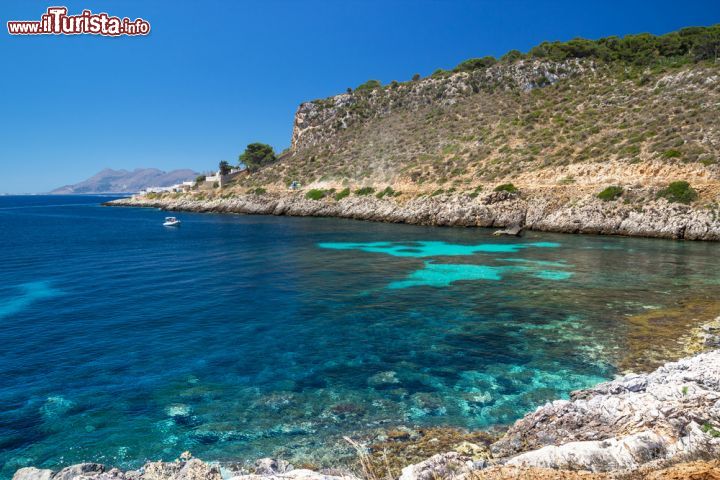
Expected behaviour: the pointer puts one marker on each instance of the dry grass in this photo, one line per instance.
(612, 116)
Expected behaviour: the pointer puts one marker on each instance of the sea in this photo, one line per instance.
(237, 337)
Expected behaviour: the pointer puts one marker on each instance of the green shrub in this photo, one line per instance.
(511, 56)
(365, 191)
(710, 430)
(678, 192)
(388, 192)
(437, 192)
(315, 194)
(610, 193)
(342, 194)
(368, 86)
(259, 191)
(672, 153)
(257, 155)
(476, 191)
(224, 167)
(507, 187)
(475, 64)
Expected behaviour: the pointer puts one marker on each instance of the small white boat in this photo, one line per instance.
(171, 222)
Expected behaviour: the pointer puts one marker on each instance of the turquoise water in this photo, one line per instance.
(244, 336)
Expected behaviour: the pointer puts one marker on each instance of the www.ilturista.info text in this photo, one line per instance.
(56, 21)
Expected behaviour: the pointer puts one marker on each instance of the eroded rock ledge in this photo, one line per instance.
(499, 209)
(636, 423)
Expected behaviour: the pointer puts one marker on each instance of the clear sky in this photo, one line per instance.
(216, 75)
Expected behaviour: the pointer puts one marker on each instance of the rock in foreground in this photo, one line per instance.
(668, 416)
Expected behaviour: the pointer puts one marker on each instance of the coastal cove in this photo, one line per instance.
(238, 337)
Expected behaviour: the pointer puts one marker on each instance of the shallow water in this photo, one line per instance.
(234, 336)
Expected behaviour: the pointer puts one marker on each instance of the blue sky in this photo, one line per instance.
(215, 75)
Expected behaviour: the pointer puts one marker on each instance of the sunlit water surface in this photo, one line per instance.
(244, 336)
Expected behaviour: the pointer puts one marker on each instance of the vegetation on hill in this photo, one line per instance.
(610, 193)
(691, 44)
(678, 192)
(257, 155)
(687, 45)
(625, 115)
(224, 167)
(637, 99)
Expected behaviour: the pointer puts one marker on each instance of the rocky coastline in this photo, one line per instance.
(664, 422)
(534, 211)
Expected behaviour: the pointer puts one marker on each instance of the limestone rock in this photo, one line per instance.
(297, 474)
(32, 473)
(193, 469)
(84, 470)
(604, 455)
(442, 465)
(270, 466)
(636, 418)
(538, 211)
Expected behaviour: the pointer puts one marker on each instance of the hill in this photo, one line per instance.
(124, 181)
(550, 115)
(612, 136)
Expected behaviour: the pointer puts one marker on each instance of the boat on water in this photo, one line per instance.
(171, 222)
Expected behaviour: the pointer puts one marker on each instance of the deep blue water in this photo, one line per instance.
(243, 336)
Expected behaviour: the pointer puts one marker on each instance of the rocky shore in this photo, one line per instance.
(658, 425)
(542, 212)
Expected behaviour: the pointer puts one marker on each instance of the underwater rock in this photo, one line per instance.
(178, 410)
(383, 378)
(514, 231)
(636, 423)
(56, 406)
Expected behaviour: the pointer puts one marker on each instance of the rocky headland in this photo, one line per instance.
(587, 137)
(540, 211)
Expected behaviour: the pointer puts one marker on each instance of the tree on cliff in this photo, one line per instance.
(224, 167)
(257, 155)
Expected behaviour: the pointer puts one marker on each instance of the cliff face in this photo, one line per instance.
(511, 122)
(561, 132)
(318, 121)
(541, 212)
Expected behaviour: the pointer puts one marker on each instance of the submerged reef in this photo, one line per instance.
(659, 425)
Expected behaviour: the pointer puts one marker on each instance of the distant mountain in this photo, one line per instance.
(124, 181)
